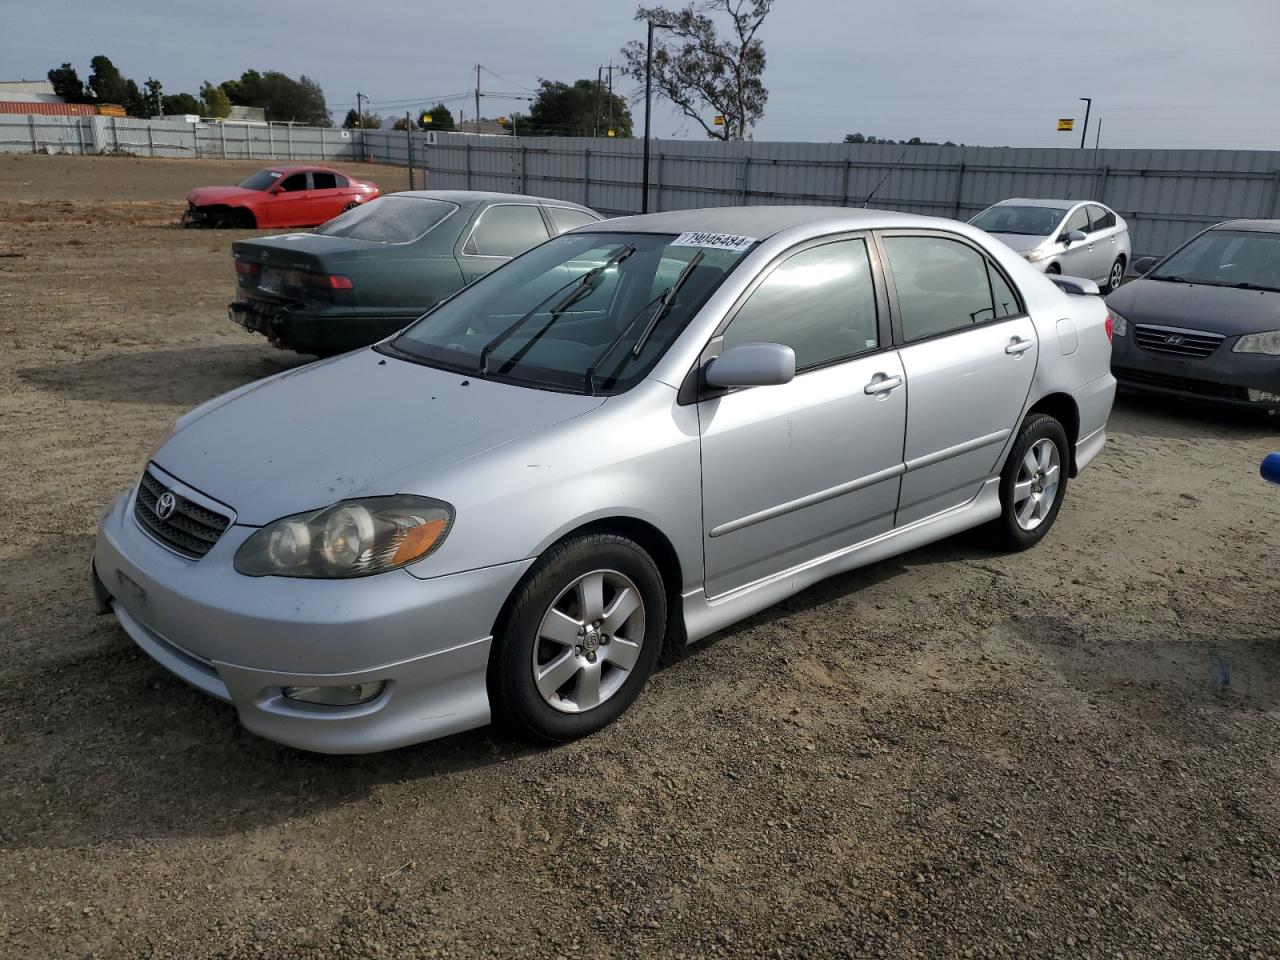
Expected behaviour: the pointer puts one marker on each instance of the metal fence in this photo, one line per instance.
(1166, 195)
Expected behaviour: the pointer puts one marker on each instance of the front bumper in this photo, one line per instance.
(1221, 379)
(305, 330)
(244, 639)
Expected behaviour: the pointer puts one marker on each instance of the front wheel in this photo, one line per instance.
(580, 638)
(1033, 483)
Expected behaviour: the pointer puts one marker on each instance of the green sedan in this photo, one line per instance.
(376, 268)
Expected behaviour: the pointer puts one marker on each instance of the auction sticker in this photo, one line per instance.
(715, 241)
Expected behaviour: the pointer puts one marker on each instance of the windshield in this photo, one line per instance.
(585, 312)
(1226, 258)
(1025, 221)
(261, 180)
(393, 219)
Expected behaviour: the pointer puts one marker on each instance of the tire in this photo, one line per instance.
(1115, 277)
(1054, 269)
(350, 206)
(544, 656)
(1027, 512)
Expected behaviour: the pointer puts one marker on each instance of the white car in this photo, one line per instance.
(1079, 239)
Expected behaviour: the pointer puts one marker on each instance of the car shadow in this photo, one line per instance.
(1163, 418)
(174, 376)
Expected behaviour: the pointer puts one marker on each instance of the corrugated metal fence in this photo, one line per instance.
(1166, 195)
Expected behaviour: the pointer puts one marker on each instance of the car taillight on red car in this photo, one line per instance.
(1111, 329)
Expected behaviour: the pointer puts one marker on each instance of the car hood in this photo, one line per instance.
(1197, 306)
(363, 424)
(1019, 241)
(202, 196)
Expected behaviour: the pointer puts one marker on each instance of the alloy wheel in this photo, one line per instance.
(588, 641)
(1117, 274)
(1036, 489)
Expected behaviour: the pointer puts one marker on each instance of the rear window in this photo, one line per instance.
(390, 219)
(566, 218)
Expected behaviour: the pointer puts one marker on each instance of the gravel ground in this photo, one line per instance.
(956, 753)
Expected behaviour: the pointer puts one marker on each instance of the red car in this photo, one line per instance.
(278, 197)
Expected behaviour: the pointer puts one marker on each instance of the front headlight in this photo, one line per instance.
(1032, 255)
(1268, 343)
(354, 538)
(1119, 325)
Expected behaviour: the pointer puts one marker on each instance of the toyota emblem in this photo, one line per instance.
(166, 505)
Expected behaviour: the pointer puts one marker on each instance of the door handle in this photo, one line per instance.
(1018, 346)
(881, 385)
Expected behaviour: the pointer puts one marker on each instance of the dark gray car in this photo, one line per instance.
(1204, 322)
(364, 275)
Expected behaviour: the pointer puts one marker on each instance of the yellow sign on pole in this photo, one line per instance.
(1066, 123)
(426, 118)
(612, 134)
(719, 120)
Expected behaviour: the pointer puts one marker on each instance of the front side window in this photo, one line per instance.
(582, 313)
(506, 230)
(1100, 218)
(294, 183)
(1079, 220)
(942, 285)
(820, 302)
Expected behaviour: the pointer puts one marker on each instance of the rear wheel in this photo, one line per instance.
(580, 638)
(1033, 483)
(1116, 277)
(350, 206)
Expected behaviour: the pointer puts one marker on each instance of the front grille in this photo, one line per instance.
(190, 530)
(1203, 388)
(1174, 342)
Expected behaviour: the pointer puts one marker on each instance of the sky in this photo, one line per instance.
(1162, 73)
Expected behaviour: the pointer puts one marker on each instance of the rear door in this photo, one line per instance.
(968, 351)
(793, 472)
(499, 232)
(326, 198)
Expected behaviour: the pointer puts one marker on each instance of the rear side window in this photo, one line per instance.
(390, 219)
(942, 285)
(324, 181)
(506, 230)
(820, 302)
(566, 218)
(1006, 300)
(341, 181)
(1101, 218)
(294, 183)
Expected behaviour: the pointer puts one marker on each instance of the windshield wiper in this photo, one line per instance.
(589, 279)
(1246, 285)
(1171, 278)
(667, 297)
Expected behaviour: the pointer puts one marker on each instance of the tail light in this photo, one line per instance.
(1111, 330)
(246, 269)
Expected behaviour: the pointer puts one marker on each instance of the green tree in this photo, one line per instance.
(106, 83)
(67, 84)
(154, 95)
(578, 110)
(702, 74)
(215, 101)
(441, 119)
(178, 103)
(283, 98)
(370, 121)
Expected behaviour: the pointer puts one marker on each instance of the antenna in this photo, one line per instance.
(884, 178)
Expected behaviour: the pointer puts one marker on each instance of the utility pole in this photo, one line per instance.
(1088, 105)
(611, 97)
(648, 103)
(477, 99)
(408, 139)
(359, 111)
(595, 125)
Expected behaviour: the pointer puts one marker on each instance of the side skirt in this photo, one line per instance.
(703, 616)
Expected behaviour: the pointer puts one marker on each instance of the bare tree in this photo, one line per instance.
(702, 74)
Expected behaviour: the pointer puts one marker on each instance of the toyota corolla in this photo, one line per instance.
(636, 433)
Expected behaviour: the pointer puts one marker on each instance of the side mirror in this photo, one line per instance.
(1076, 286)
(1074, 236)
(1143, 265)
(752, 365)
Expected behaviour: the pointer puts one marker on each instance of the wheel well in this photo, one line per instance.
(1062, 408)
(244, 217)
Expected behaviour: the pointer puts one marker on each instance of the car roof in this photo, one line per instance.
(484, 196)
(758, 222)
(304, 168)
(1045, 202)
(1258, 226)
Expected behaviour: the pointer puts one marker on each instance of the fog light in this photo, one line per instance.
(347, 696)
(1262, 396)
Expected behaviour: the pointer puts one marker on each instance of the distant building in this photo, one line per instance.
(37, 97)
(488, 128)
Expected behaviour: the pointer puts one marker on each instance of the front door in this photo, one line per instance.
(793, 472)
(968, 352)
(289, 201)
(501, 231)
(1077, 258)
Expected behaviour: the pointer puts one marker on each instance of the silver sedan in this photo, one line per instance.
(635, 434)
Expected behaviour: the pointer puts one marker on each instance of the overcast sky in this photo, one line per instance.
(1163, 73)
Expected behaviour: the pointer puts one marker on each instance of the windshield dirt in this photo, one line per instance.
(1026, 221)
(1226, 258)
(585, 312)
(261, 180)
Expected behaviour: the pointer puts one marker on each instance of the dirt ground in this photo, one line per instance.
(957, 753)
